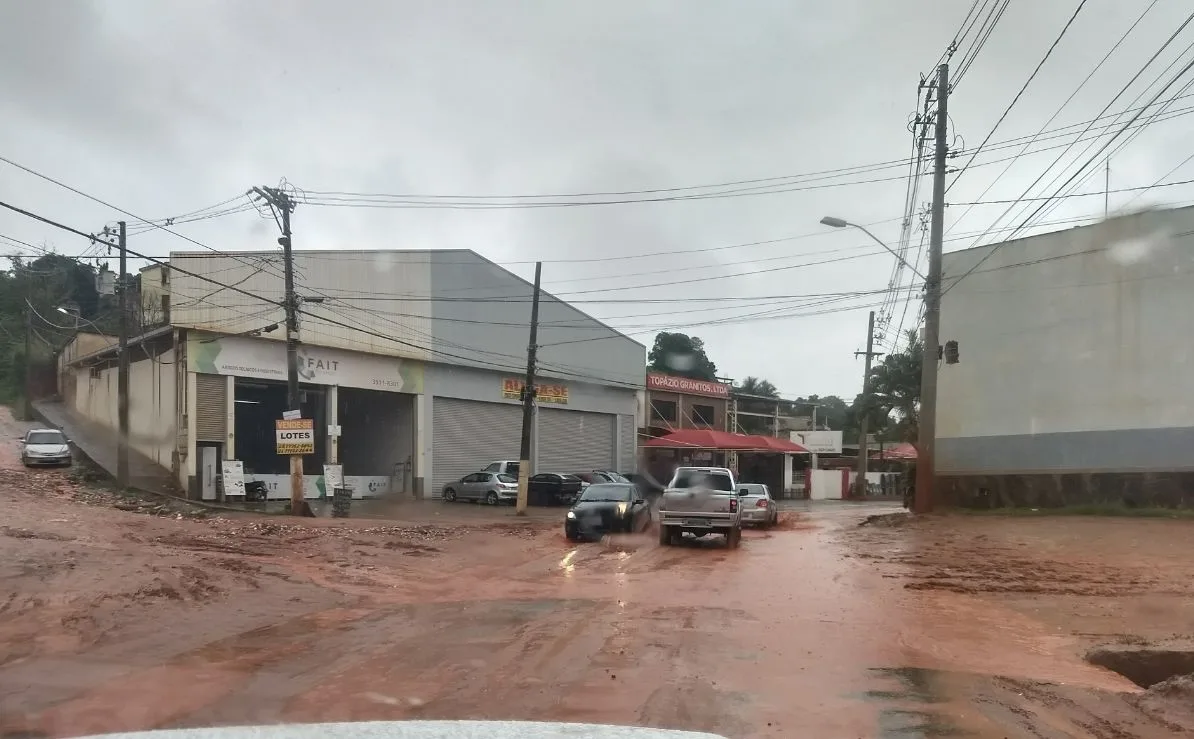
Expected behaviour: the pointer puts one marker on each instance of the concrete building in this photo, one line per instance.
(669, 403)
(410, 366)
(1072, 383)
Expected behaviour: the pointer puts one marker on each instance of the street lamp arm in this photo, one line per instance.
(888, 248)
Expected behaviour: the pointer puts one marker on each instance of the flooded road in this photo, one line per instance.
(117, 621)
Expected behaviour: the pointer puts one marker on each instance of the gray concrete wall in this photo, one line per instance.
(1074, 347)
(478, 305)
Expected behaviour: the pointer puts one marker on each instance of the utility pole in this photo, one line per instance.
(927, 431)
(28, 360)
(282, 203)
(122, 373)
(1107, 189)
(528, 401)
(860, 485)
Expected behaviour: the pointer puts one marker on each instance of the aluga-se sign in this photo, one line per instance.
(296, 436)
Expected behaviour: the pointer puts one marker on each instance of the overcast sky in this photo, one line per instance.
(165, 108)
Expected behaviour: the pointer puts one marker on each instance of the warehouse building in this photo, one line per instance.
(410, 365)
(1069, 382)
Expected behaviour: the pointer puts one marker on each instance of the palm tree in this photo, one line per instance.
(758, 386)
(895, 385)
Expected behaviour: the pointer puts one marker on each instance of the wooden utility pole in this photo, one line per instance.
(28, 360)
(282, 203)
(860, 485)
(122, 372)
(927, 427)
(528, 401)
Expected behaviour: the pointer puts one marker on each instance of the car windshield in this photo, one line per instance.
(712, 480)
(607, 492)
(508, 479)
(46, 437)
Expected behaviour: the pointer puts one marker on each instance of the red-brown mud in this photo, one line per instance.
(116, 620)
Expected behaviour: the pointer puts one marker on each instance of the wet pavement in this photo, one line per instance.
(817, 628)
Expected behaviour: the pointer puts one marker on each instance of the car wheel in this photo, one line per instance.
(449, 495)
(665, 536)
(733, 538)
(491, 498)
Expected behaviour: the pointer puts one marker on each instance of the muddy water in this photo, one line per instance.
(807, 630)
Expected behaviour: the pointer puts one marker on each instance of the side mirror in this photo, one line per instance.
(639, 501)
(742, 492)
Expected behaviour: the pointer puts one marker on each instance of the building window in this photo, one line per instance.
(702, 415)
(663, 410)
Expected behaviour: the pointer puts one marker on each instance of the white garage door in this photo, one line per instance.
(466, 435)
(575, 441)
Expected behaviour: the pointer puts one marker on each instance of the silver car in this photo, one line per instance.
(490, 487)
(758, 507)
(45, 446)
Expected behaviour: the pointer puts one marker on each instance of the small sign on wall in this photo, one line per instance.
(556, 393)
(233, 477)
(295, 436)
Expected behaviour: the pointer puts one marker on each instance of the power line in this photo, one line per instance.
(1016, 99)
(1060, 108)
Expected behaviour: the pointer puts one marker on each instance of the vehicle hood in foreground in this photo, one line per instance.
(419, 730)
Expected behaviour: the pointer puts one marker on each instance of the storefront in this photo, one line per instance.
(363, 407)
(476, 418)
(671, 403)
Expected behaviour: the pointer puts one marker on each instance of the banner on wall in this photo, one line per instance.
(265, 359)
(544, 392)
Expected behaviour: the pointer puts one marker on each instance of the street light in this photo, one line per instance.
(833, 222)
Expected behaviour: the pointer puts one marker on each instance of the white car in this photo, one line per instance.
(700, 501)
(45, 447)
(758, 507)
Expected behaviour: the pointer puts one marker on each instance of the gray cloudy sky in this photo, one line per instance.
(163, 108)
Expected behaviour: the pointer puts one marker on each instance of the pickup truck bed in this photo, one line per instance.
(700, 501)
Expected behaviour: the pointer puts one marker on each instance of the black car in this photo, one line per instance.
(606, 508)
(549, 488)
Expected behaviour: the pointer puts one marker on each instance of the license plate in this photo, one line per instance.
(697, 522)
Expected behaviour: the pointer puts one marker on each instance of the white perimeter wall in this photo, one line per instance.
(151, 403)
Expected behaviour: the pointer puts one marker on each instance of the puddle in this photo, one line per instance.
(912, 692)
(1145, 667)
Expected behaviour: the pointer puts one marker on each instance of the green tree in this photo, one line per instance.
(681, 354)
(46, 282)
(758, 386)
(895, 386)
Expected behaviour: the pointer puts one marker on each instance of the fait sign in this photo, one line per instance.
(296, 436)
(544, 393)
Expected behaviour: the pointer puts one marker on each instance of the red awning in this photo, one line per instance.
(703, 439)
(776, 444)
(902, 451)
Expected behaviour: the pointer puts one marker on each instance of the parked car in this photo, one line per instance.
(45, 446)
(550, 488)
(700, 501)
(758, 507)
(506, 467)
(596, 477)
(606, 507)
(487, 486)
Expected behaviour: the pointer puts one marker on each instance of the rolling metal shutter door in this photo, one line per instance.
(469, 434)
(575, 441)
(211, 408)
(629, 445)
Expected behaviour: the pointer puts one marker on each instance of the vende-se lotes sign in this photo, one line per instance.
(295, 436)
(673, 384)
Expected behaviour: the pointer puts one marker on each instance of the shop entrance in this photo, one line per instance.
(377, 441)
(259, 403)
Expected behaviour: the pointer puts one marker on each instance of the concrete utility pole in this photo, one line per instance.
(122, 372)
(528, 401)
(927, 430)
(860, 485)
(28, 360)
(284, 205)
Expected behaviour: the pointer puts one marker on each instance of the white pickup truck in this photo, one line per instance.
(700, 501)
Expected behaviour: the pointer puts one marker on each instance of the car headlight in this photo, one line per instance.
(621, 509)
(571, 514)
